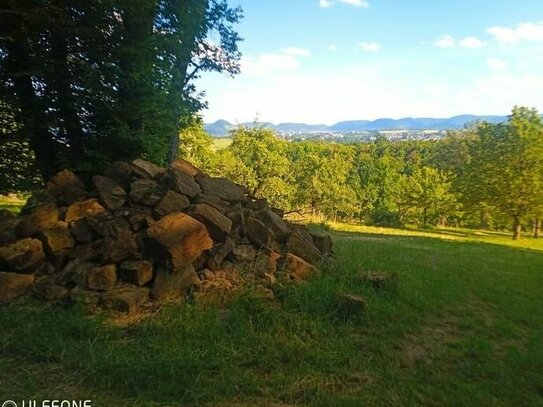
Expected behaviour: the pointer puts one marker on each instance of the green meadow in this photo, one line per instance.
(459, 325)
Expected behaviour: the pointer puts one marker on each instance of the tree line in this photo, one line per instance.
(85, 83)
(485, 176)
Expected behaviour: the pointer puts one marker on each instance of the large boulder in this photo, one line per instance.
(66, 187)
(111, 194)
(13, 285)
(102, 278)
(57, 241)
(301, 244)
(258, 233)
(181, 182)
(120, 172)
(146, 192)
(23, 256)
(274, 222)
(219, 253)
(137, 272)
(217, 224)
(186, 167)
(44, 217)
(83, 209)
(297, 268)
(146, 169)
(213, 201)
(173, 285)
(176, 240)
(171, 202)
(119, 248)
(222, 188)
(8, 227)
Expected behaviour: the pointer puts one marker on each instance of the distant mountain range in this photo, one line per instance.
(221, 127)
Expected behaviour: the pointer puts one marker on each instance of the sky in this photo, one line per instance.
(324, 61)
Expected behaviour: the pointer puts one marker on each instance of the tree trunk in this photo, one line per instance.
(537, 227)
(31, 112)
(517, 228)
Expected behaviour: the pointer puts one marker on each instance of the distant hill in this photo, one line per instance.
(221, 128)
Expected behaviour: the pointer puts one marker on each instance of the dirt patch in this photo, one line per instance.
(431, 338)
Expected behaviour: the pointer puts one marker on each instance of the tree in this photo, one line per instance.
(265, 156)
(93, 82)
(508, 162)
(426, 197)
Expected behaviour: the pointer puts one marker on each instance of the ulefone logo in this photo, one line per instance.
(9, 403)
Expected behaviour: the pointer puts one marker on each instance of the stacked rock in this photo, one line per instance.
(143, 233)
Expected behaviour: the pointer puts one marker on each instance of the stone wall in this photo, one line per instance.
(142, 234)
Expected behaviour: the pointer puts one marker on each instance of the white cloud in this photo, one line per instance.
(471, 42)
(370, 46)
(297, 52)
(332, 48)
(496, 64)
(267, 63)
(523, 32)
(445, 41)
(324, 3)
(356, 3)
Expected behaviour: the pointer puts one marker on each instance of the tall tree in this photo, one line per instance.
(93, 82)
(508, 161)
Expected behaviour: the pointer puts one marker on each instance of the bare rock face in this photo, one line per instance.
(111, 194)
(13, 285)
(177, 239)
(222, 188)
(24, 256)
(66, 187)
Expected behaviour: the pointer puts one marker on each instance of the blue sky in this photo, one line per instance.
(323, 61)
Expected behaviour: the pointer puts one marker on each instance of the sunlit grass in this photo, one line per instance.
(462, 326)
(456, 234)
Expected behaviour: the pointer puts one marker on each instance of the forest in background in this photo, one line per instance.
(485, 176)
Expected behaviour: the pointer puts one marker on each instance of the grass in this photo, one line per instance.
(462, 327)
(11, 203)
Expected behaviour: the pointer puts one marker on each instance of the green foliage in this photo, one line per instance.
(87, 83)
(507, 166)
